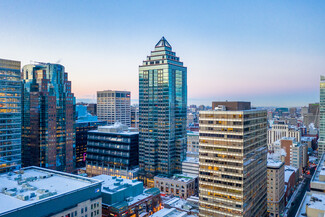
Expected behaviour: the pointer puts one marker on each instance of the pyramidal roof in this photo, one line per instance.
(163, 43)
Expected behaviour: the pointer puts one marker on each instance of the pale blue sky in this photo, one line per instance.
(267, 52)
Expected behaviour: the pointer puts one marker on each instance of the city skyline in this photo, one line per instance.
(270, 53)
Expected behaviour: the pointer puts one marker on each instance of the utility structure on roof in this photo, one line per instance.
(162, 113)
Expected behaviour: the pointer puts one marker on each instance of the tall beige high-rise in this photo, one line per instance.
(114, 106)
(233, 170)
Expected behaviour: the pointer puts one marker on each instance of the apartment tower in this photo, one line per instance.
(232, 161)
(48, 117)
(162, 113)
(10, 115)
(114, 106)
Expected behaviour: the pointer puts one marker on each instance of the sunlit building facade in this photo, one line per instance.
(162, 113)
(10, 115)
(232, 161)
(321, 142)
(48, 117)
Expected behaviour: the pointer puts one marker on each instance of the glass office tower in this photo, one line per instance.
(48, 117)
(162, 113)
(321, 142)
(10, 115)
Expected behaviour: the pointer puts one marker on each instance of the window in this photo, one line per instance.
(82, 210)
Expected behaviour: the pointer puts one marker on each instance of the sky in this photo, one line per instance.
(271, 53)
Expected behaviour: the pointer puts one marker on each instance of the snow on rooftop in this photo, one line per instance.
(33, 184)
(312, 201)
(113, 184)
(169, 213)
(191, 160)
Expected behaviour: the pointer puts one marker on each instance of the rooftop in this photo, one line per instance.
(179, 177)
(32, 185)
(288, 171)
(117, 128)
(191, 160)
(271, 163)
(312, 202)
(112, 184)
(170, 213)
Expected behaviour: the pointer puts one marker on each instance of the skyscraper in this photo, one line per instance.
(321, 142)
(232, 162)
(48, 122)
(10, 115)
(162, 113)
(114, 106)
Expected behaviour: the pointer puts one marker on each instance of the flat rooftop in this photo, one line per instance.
(179, 177)
(170, 213)
(271, 163)
(312, 202)
(112, 184)
(32, 185)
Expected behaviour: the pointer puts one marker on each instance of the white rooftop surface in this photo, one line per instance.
(192, 160)
(193, 134)
(287, 175)
(273, 163)
(56, 183)
(110, 181)
(309, 199)
(169, 213)
(180, 177)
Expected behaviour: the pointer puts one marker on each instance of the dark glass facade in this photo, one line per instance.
(48, 117)
(10, 115)
(162, 113)
(82, 128)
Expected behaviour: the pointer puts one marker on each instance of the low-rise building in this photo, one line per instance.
(275, 187)
(127, 198)
(190, 166)
(113, 150)
(290, 179)
(35, 191)
(312, 205)
(181, 185)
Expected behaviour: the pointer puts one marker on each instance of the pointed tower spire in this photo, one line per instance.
(163, 43)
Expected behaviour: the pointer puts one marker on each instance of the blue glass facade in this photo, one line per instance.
(162, 112)
(10, 115)
(48, 117)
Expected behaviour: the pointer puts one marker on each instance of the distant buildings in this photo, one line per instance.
(48, 117)
(82, 128)
(126, 198)
(10, 115)
(181, 185)
(92, 109)
(37, 192)
(275, 187)
(114, 106)
(192, 144)
(162, 110)
(278, 131)
(321, 142)
(233, 153)
(113, 150)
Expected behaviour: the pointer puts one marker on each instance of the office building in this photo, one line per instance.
(113, 150)
(135, 116)
(233, 169)
(191, 166)
(48, 117)
(127, 198)
(192, 144)
(162, 110)
(114, 106)
(82, 128)
(10, 115)
(275, 188)
(278, 131)
(37, 192)
(312, 205)
(92, 109)
(180, 185)
(321, 141)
